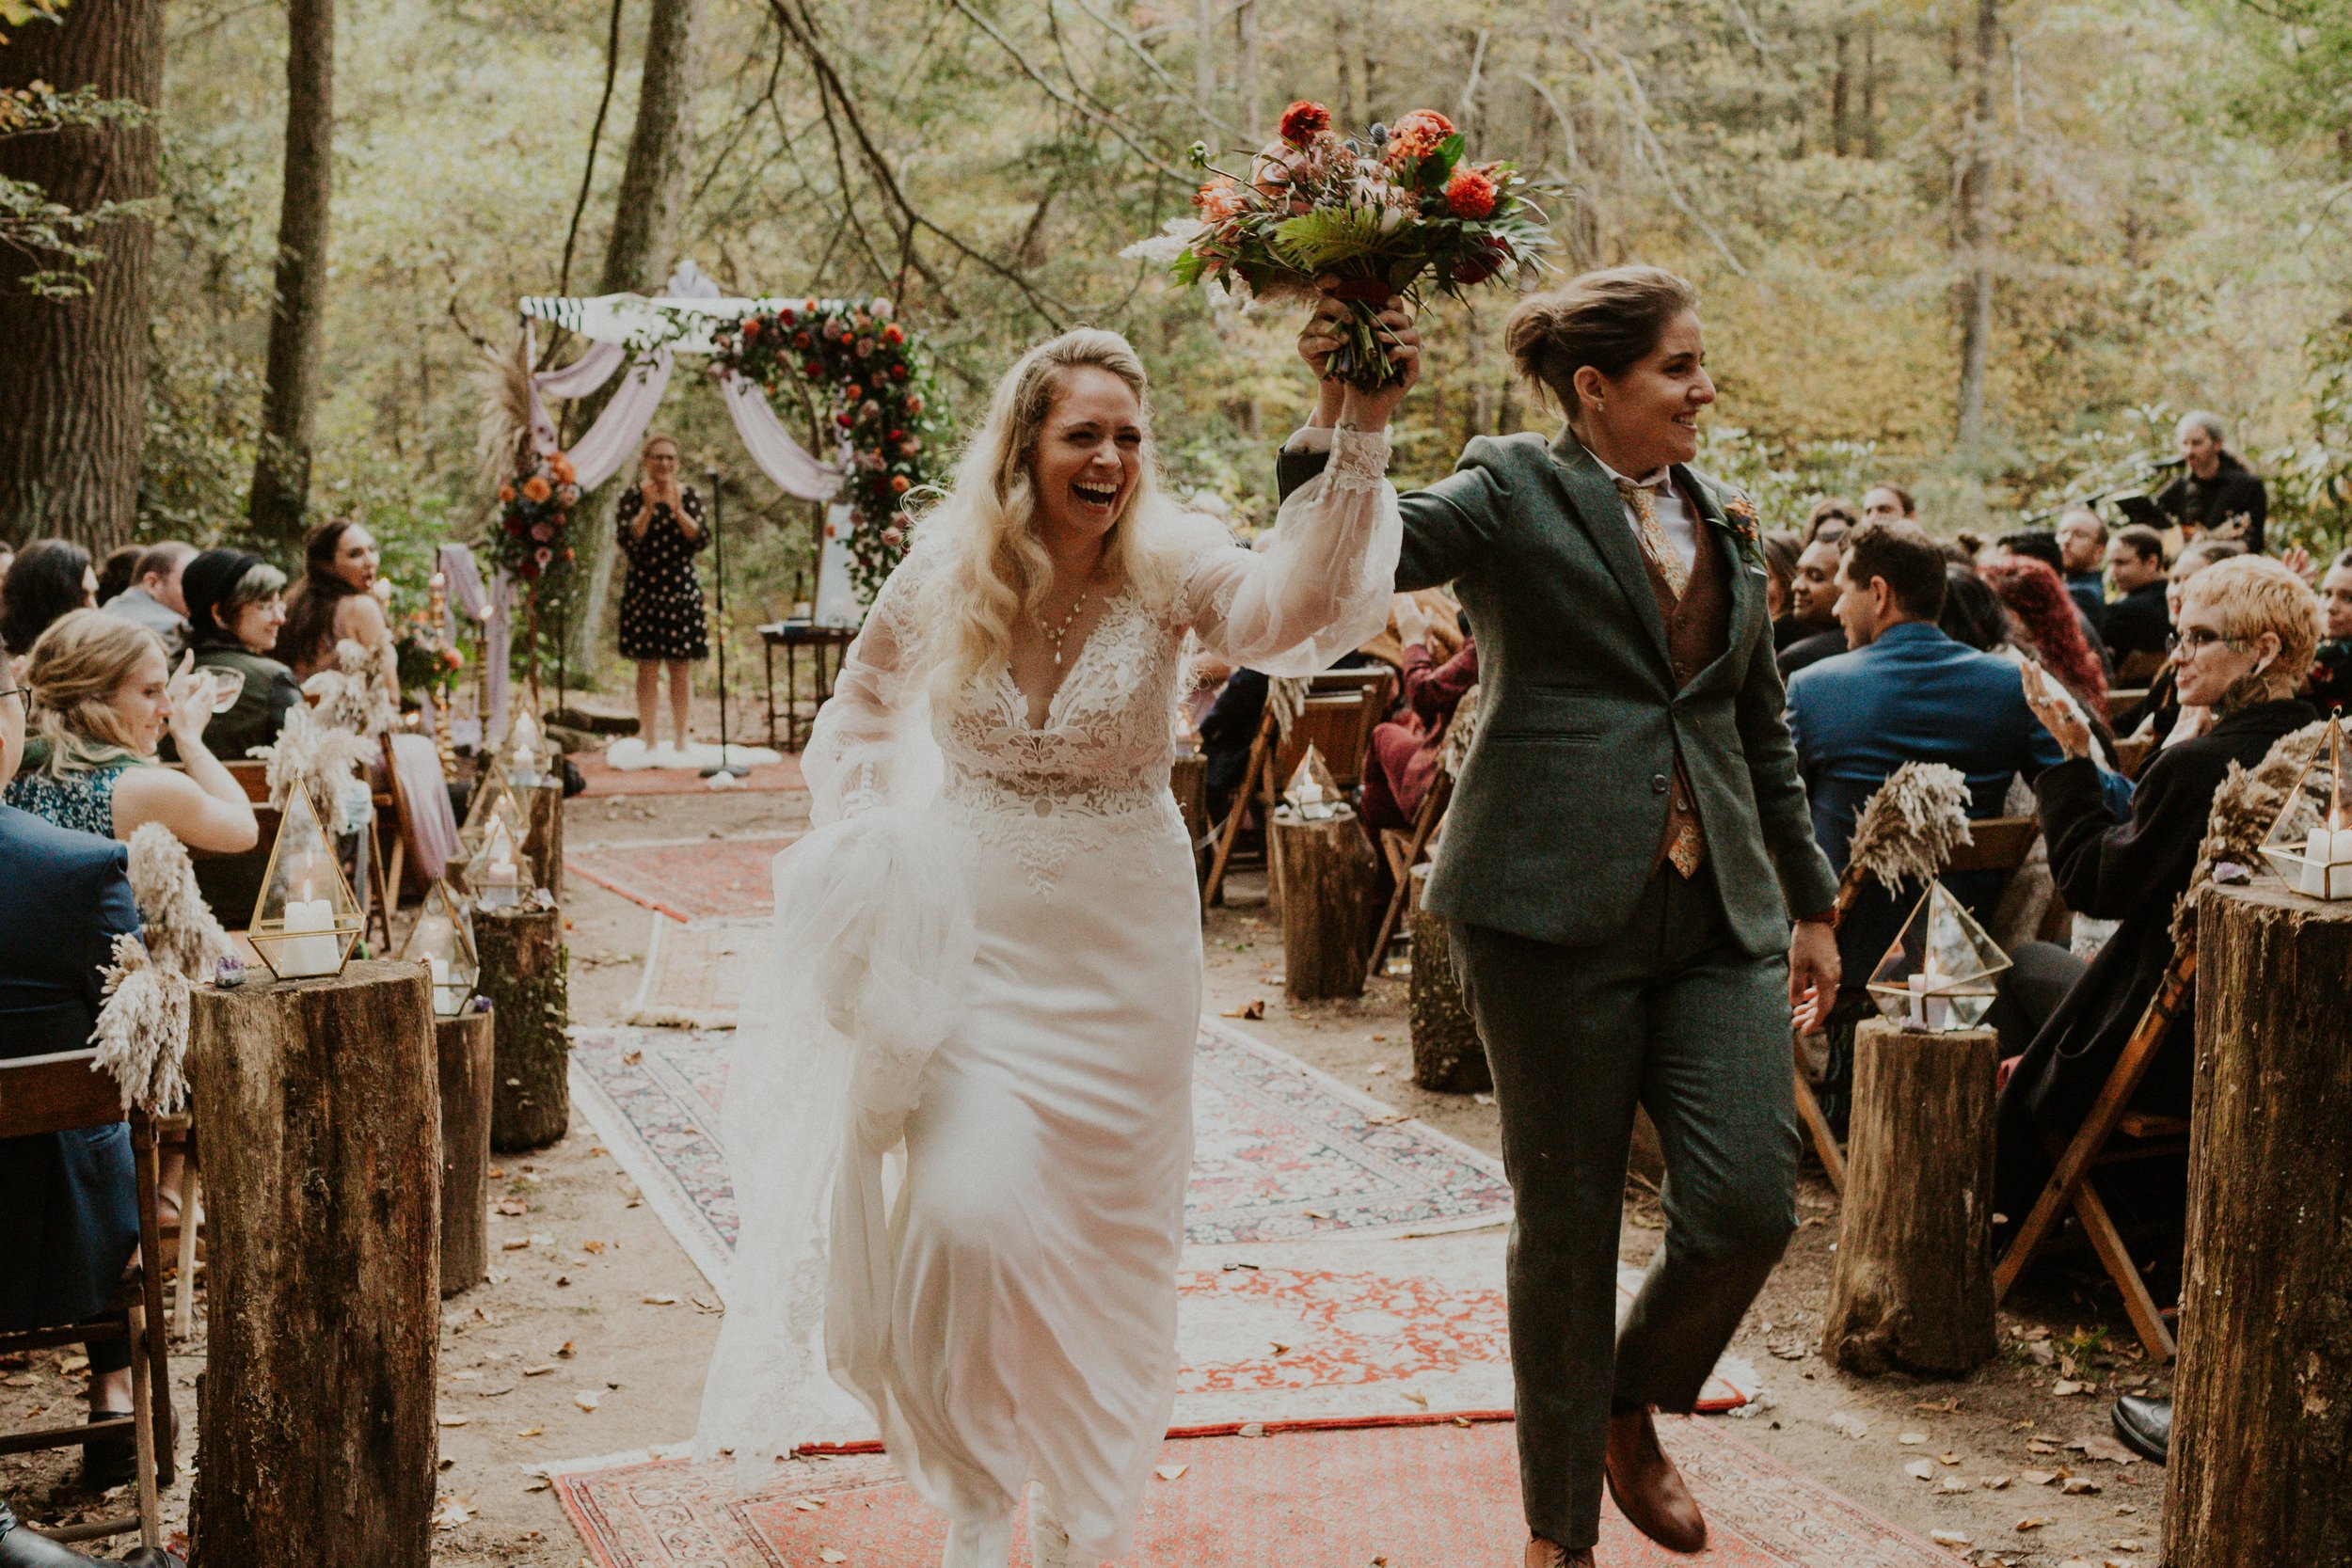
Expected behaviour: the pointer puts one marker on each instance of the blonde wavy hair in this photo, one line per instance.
(76, 669)
(987, 564)
(2251, 595)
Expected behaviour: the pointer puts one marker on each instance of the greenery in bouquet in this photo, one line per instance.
(872, 382)
(533, 541)
(427, 660)
(1396, 211)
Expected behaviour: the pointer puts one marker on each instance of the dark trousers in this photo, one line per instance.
(1672, 1015)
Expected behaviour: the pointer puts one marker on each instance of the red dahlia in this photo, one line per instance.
(1470, 194)
(1303, 121)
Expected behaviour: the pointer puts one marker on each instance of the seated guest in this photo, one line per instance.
(2161, 716)
(153, 599)
(2039, 544)
(1444, 631)
(2247, 629)
(50, 577)
(2136, 624)
(102, 698)
(2219, 496)
(2083, 558)
(117, 572)
(69, 1224)
(1227, 731)
(2046, 625)
(1888, 503)
(1813, 605)
(2331, 685)
(233, 605)
(1402, 761)
(1830, 516)
(1971, 615)
(1906, 694)
(1780, 549)
(335, 602)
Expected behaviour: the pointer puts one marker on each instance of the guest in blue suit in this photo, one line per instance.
(69, 1214)
(1906, 692)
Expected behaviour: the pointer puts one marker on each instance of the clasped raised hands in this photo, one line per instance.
(1322, 336)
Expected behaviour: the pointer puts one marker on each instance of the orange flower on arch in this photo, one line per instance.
(536, 489)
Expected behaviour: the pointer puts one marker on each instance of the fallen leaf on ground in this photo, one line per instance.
(1254, 1008)
(2067, 1386)
(829, 1555)
(808, 1505)
(451, 1421)
(660, 1301)
(1417, 1397)
(514, 1243)
(539, 1485)
(2037, 1477)
(512, 1206)
(1993, 1483)
(542, 1369)
(630, 1058)
(1850, 1424)
(1953, 1483)
(2081, 1486)
(592, 1246)
(531, 1432)
(1170, 1472)
(1920, 1470)
(452, 1513)
(2030, 1523)
(2036, 1444)
(1253, 1429)
(1948, 1458)
(564, 1351)
(1909, 1437)
(1948, 1538)
(2104, 1448)
(588, 1400)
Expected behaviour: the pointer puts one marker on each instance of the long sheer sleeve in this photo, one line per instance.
(1319, 587)
(871, 742)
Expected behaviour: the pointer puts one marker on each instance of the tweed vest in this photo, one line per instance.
(1698, 632)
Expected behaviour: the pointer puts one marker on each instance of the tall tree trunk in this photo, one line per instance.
(638, 256)
(297, 318)
(72, 402)
(1246, 68)
(1974, 196)
(1840, 88)
(1870, 89)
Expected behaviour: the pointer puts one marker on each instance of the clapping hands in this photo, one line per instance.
(2055, 708)
(190, 696)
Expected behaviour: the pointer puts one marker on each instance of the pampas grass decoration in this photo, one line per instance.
(350, 695)
(308, 750)
(178, 928)
(142, 1032)
(1286, 699)
(502, 433)
(2243, 809)
(1909, 827)
(1461, 731)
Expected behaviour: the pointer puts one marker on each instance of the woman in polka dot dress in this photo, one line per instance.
(662, 603)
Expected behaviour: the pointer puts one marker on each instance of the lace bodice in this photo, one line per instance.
(1100, 762)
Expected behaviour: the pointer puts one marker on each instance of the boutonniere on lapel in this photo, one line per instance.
(1740, 518)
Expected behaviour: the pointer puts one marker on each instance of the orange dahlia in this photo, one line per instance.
(1470, 194)
(1419, 133)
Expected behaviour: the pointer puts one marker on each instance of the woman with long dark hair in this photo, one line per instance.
(335, 602)
(49, 578)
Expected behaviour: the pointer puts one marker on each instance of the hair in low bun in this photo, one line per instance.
(1608, 320)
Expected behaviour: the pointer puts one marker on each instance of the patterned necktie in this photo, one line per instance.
(1644, 500)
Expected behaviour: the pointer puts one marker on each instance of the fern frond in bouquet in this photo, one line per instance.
(1395, 212)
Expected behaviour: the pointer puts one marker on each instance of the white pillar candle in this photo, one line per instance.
(498, 889)
(1918, 1019)
(308, 956)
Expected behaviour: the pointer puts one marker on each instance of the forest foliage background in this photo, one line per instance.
(2158, 216)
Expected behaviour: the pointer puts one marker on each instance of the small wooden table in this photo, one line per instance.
(827, 646)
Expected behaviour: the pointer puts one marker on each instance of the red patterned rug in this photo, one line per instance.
(604, 779)
(692, 878)
(1434, 1495)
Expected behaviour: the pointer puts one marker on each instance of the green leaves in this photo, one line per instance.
(1319, 240)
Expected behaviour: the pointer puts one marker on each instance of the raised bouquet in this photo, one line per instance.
(534, 519)
(871, 376)
(1394, 211)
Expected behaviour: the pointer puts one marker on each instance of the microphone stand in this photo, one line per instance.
(719, 571)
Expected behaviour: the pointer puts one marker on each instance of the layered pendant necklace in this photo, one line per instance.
(1056, 630)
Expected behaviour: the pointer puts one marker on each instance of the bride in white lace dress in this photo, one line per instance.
(960, 1121)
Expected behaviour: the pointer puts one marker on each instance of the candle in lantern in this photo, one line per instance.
(307, 954)
(498, 889)
(2327, 861)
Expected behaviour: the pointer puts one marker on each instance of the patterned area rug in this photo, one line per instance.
(1283, 1153)
(1414, 1496)
(686, 879)
(695, 972)
(605, 779)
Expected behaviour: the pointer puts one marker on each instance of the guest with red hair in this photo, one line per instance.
(2044, 623)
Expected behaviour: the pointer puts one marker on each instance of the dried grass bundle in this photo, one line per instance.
(2243, 809)
(1909, 827)
(1461, 731)
(179, 929)
(503, 432)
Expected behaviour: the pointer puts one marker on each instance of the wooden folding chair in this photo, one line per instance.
(1995, 844)
(2093, 1146)
(61, 1093)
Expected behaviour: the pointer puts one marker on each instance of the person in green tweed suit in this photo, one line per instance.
(1624, 859)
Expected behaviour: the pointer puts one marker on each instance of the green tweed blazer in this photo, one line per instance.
(1555, 821)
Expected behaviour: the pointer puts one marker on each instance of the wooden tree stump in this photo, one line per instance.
(523, 974)
(1448, 1057)
(2262, 1429)
(1913, 1285)
(468, 1051)
(322, 1140)
(542, 834)
(1325, 871)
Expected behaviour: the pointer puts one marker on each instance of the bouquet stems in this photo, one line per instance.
(1362, 359)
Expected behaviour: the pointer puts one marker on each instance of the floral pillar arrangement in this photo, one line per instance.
(1396, 211)
(871, 379)
(533, 540)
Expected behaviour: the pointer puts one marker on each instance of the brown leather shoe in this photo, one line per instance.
(1648, 1488)
(1545, 1554)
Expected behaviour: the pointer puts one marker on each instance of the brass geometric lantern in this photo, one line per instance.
(443, 940)
(498, 876)
(1939, 973)
(530, 759)
(306, 920)
(2310, 845)
(494, 798)
(1311, 795)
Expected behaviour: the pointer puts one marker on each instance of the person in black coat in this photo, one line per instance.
(2219, 498)
(2136, 626)
(69, 1213)
(2247, 629)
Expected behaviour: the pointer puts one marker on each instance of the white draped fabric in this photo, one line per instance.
(960, 1114)
(490, 607)
(647, 335)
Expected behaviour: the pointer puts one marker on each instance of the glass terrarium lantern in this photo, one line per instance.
(443, 940)
(494, 802)
(2310, 846)
(1940, 973)
(498, 875)
(529, 758)
(307, 921)
(1313, 795)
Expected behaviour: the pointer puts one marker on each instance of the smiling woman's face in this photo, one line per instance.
(355, 558)
(1649, 415)
(1090, 455)
(144, 702)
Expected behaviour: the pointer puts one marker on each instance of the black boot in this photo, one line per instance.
(21, 1547)
(2145, 1425)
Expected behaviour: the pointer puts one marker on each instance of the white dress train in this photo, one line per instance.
(960, 1119)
